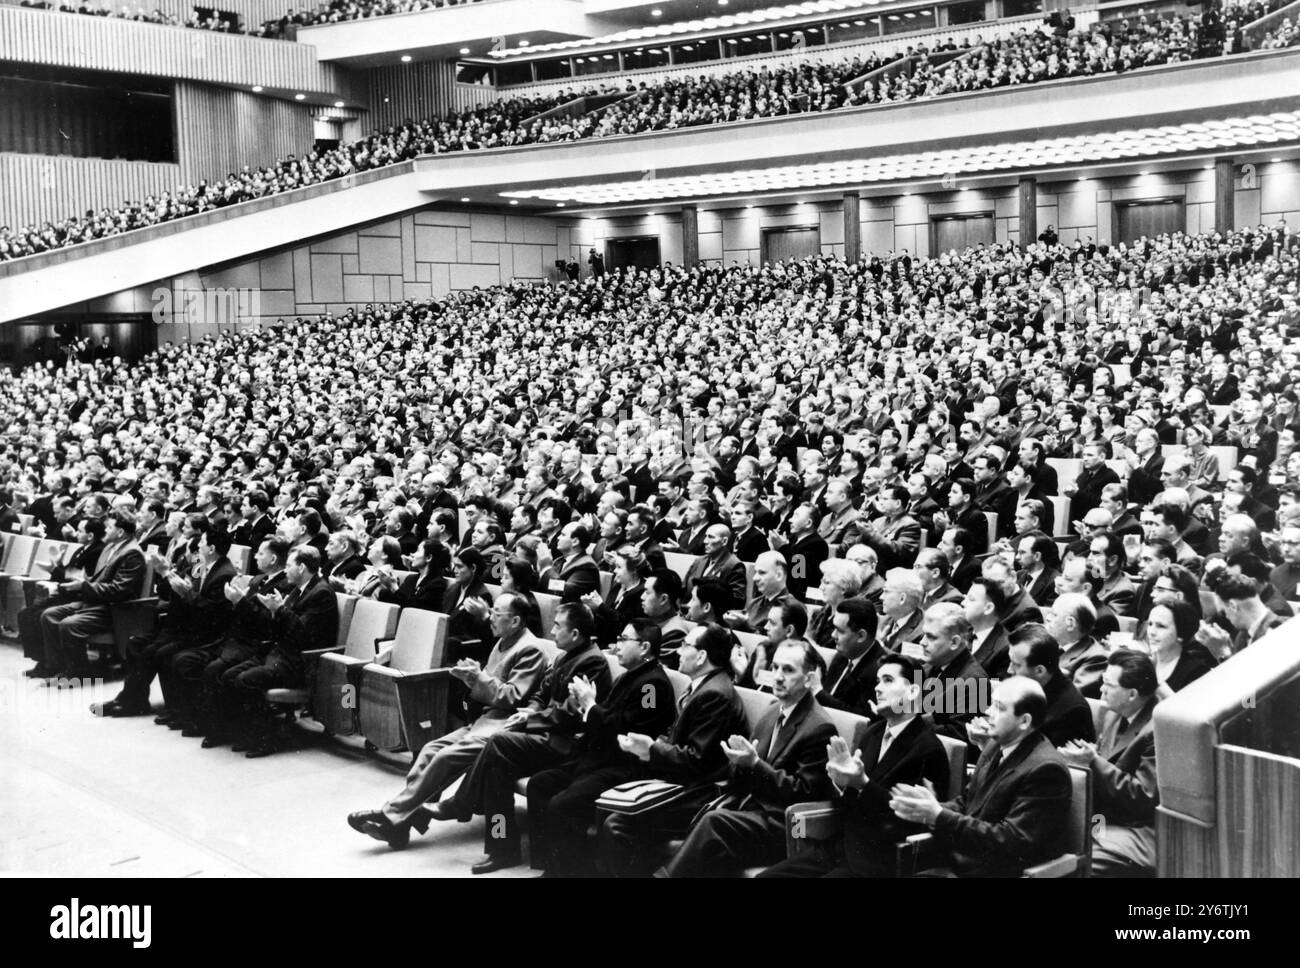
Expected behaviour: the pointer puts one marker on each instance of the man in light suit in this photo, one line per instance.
(900, 604)
(895, 535)
(1015, 811)
(1123, 765)
(690, 754)
(540, 735)
(118, 576)
(783, 763)
(900, 747)
(509, 678)
(719, 562)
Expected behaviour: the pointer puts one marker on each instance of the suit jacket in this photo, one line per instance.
(870, 827)
(994, 652)
(1042, 589)
(892, 635)
(728, 569)
(640, 701)
(692, 542)
(579, 574)
(964, 575)
(895, 542)
(309, 619)
(750, 545)
(791, 771)
(1120, 594)
(617, 609)
(854, 691)
(1144, 481)
(349, 567)
(117, 578)
(1088, 486)
(208, 611)
(1124, 788)
(959, 690)
(804, 560)
(944, 593)
(1011, 816)
(691, 752)
(253, 533)
(509, 678)
(551, 711)
(420, 590)
(1068, 714)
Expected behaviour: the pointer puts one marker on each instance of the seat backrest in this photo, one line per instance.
(239, 556)
(1060, 515)
(347, 605)
(756, 703)
(1079, 838)
(1172, 450)
(826, 654)
(1098, 710)
(370, 620)
(956, 751)
(146, 580)
(421, 640)
(845, 722)
(606, 582)
(1067, 470)
(749, 580)
(462, 523)
(680, 681)
(750, 640)
(992, 520)
(1127, 624)
(615, 667)
(1227, 458)
(19, 555)
(1120, 467)
(48, 551)
(679, 563)
(493, 590)
(549, 649)
(547, 604)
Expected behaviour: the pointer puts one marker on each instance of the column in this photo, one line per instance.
(852, 228)
(1224, 198)
(690, 236)
(1027, 192)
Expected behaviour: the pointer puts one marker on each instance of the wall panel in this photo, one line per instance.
(40, 188)
(417, 91)
(218, 130)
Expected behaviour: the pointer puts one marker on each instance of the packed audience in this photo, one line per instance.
(137, 13)
(340, 11)
(875, 442)
(1027, 57)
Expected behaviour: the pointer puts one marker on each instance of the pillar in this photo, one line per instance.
(1027, 192)
(852, 228)
(1224, 198)
(690, 236)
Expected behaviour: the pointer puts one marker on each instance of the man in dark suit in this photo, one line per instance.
(1123, 766)
(984, 604)
(958, 546)
(719, 563)
(1037, 655)
(1015, 811)
(850, 682)
(783, 763)
(894, 535)
(747, 540)
(900, 747)
(118, 576)
(1036, 559)
(695, 525)
(255, 525)
(690, 754)
(956, 685)
(540, 736)
(562, 800)
(575, 572)
(196, 614)
(932, 569)
(1085, 492)
(342, 559)
(306, 618)
(804, 552)
(900, 608)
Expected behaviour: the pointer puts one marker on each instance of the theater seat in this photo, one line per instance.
(336, 685)
(130, 618)
(413, 655)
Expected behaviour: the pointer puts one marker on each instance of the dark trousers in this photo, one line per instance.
(144, 660)
(242, 686)
(489, 787)
(216, 705)
(634, 846)
(67, 629)
(811, 864)
(561, 808)
(725, 842)
(29, 627)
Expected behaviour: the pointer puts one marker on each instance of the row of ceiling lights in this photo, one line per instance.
(1043, 153)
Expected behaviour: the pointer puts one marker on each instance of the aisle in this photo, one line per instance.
(123, 797)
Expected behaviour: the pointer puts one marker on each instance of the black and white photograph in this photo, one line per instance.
(651, 439)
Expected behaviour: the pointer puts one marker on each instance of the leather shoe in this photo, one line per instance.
(214, 740)
(164, 719)
(358, 820)
(495, 862)
(190, 731)
(116, 709)
(440, 811)
(372, 823)
(39, 671)
(257, 752)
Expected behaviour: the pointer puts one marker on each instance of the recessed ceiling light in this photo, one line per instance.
(257, 88)
(559, 205)
(1275, 160)
(300, 97)
(656, 12)
(338, 104)
(406, 58)
(722, 3)
(514, 201)
(1144, 173)
(524, 42)
(464, 198)
(464, 50)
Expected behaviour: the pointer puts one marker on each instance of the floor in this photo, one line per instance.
(84, 796)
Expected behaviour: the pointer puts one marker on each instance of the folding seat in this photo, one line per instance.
(335, 688)
(394, 687)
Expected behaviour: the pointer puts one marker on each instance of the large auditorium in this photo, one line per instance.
(650, 439)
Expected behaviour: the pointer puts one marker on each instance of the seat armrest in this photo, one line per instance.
(1063, 866)
(413, 678)
(317, 653)
(918, 853)
(808, 824)
(382, 656)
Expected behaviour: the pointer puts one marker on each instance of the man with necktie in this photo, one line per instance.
(783, 763)
(1015, 811)
(850, 681)
(899, 747)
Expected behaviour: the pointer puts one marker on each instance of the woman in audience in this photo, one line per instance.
(1178, 657)
(385, 557)
(467, 599)
(841, 580)
(519, 577)
(427, 588)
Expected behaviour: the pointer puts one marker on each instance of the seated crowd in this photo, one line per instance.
(858, 457)
(1029, 56)
(137, 13)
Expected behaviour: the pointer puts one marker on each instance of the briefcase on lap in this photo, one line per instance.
(639, 796)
